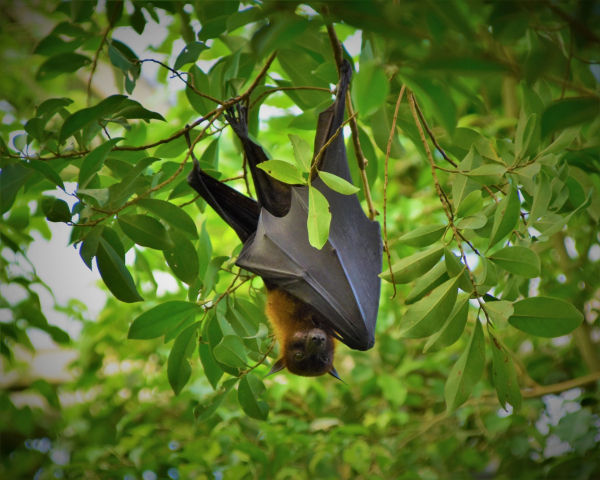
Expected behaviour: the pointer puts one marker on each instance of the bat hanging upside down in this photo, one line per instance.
(314, 296)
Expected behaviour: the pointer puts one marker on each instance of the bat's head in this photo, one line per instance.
(306, 349)
(309, 353)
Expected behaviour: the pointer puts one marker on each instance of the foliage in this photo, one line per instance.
(479, 123)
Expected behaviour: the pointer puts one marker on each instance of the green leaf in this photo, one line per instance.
(131, 183)
(463, 185)
(528, 136)
(200, 81)
(545, 317)
(561, 143)
(499, 312)
(569, 112)
(471, 204)
(250, 389)
(56, 210)
(94, 161)
(428, 315)
(505, 376)
(60, 63)
(114, 241)
(302, 152)
(189, 54)
(170, 214)
(488, 276)
(182, 259)
(211, 369)
(202, 412)
(159, 320)
(319, 218)
(231, 351)
(338, 184)
(145, 231)
(490, 174)
(426, 283)
(12, 178)
(86, 116)
(574, 426)
(52, 105)
(464, 139)
(473, 222)
(452, 329)
(115, 275)
(47, 172)
(466, 372)
(283, 171)
(204, 250)
(179, 370)
(506, 216)
(411, 268)
(423, 236)
(455, 267)
(210, 276)
(526, 176)
(369, 88)
(89, 246)
(518, 260)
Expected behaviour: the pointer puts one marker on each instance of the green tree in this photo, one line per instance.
(473, 138)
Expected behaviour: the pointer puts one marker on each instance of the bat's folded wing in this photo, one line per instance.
(340, 281)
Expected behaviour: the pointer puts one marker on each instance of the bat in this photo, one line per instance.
(315, 297)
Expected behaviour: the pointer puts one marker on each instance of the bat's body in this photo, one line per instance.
(314, 295)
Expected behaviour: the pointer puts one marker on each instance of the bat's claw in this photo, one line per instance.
(237, 117)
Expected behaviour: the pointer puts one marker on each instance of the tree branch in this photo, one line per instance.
(385, 185)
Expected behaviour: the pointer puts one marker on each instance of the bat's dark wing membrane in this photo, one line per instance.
(341, 280)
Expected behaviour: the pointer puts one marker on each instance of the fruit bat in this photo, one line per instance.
(314, 296)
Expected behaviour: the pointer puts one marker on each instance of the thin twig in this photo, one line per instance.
(96, 55)
(443, 199)
(175, 72)
(432, 136)
(315, 164)
(280, 89)
(190, 202)
(385, 185)
(563, 386)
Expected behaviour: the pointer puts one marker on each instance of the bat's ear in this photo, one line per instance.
(277, 367)
(334, 374)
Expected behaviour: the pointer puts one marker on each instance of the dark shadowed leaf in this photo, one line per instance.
(145, 231)
(170, 214)
(189, 54)
(506, 217)
(60, 63)
(249, 391)
(452, 329)
(569, 112)
(160, 319)
(428, 315)
(178, 367)
(115, 275)
(182, 258)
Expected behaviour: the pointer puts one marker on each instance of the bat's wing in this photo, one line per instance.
(239, 211)
(341, 280)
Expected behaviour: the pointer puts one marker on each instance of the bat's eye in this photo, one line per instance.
(299, 356)
(326, 359)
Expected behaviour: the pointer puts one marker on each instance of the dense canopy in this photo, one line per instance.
(472, 133)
